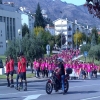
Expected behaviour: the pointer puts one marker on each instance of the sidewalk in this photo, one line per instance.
(3, 82)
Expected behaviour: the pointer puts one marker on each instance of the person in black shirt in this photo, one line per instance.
(62, 73)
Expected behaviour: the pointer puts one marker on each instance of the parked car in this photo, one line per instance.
(1, 64)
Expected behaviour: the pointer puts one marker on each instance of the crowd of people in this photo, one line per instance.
(46, 66)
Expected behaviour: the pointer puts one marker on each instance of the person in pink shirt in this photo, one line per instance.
(34, 67)
(46, 68)
(37, 68)
(43, 68)
(50, 68)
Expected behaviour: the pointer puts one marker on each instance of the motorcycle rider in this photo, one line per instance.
(61, 73)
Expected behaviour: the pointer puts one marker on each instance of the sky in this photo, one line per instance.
(76, 2)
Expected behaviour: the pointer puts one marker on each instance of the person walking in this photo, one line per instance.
(7, 72)
(11, 65)
(18, 84)
(23, 70)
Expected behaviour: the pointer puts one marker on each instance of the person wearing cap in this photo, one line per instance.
(11, 64)
(23, 70)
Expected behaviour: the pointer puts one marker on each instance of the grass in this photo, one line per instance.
(29, 75)
(90, 60)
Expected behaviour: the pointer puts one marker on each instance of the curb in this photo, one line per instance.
(5, 83)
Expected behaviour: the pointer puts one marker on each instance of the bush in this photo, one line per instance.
(85, 48)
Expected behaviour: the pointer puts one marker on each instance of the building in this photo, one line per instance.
(27, 18)
(10, 25)
(51, 29)
(68, 28)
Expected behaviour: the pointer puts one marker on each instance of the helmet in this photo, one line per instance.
(59, 59)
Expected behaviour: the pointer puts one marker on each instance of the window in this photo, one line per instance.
(69, 28)
(7, 20)
(1, 31)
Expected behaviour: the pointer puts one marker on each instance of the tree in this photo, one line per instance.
(38, 30)
(58, 39)
(78, 38)
(25, 30)
(48, 21)
(85, 47)
(31, 47)
(39, 20)
(94, 37)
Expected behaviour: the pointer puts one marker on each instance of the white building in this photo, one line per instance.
(68, 28)
(10, 24)
(51, 29)
(28, 19)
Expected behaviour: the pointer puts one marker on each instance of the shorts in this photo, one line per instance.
(8, 73)
(11, 73)
(23, 75)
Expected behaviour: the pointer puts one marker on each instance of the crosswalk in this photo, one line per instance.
(32, 97)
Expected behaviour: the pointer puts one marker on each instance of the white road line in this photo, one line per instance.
(84, 86)
(18, 93)
(91, 98)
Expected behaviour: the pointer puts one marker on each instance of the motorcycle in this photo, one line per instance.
(55, 82)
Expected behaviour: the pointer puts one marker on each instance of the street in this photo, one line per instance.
(78, 90)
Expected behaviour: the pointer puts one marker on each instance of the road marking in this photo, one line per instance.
(91, 98)
(84, 86)
(18, 93)
(32, 97)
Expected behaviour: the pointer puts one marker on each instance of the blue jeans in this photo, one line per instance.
(63, 82)
(17, 78)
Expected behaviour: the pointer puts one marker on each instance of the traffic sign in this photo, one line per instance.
(85, 53)
(48, 47)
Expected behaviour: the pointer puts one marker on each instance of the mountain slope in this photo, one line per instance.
(53, 8)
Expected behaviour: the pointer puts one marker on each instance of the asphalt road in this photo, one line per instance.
(78, 90)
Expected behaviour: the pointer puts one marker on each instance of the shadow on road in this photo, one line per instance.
(81, 92)
(8, 98)
(36, 87)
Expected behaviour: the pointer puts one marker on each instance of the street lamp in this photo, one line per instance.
(76, 38)
(61, 32)
(19, 33)
(6, 44)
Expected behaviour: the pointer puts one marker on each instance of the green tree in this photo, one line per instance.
(39, 20)
(85, 48)
(58, 39)
(94, 37)
(25, 30)
(30, 45)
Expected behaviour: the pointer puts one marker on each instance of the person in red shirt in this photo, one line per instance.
(18, 74)
(7, 71)
(23, 69)
(11, 64)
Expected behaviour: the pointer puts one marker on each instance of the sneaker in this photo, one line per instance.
(16, 88)
(25, 89)
(11, 86)
(8, 85)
